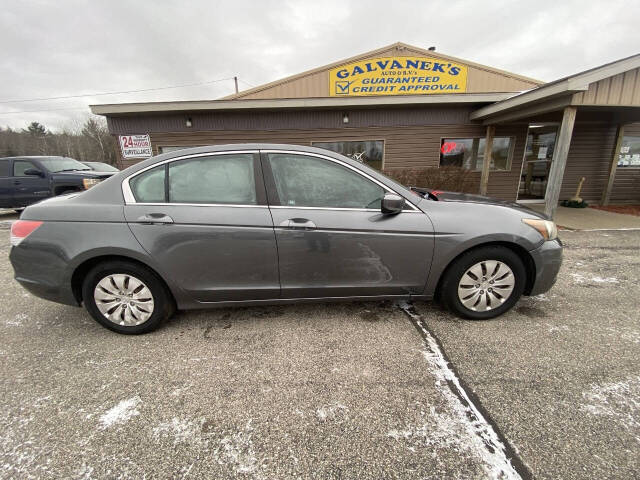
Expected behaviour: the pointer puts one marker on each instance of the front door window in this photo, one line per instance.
(303, 181)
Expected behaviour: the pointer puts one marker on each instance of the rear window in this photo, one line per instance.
(148, 187)
(4, 168)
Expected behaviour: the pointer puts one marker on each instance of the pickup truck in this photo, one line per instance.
(26, 180)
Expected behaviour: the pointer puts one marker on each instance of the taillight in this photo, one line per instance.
(21, 229)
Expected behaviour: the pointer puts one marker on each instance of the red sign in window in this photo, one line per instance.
(448, 147)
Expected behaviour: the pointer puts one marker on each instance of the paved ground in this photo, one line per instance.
(331, 391)
(590, 218)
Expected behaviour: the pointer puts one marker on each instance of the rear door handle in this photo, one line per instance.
(155, 218)
(298, 224)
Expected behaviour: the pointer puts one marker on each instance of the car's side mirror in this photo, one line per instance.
(33, 172)
(392, 203)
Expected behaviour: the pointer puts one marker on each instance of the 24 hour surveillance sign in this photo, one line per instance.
(398, 76)
(135, 146)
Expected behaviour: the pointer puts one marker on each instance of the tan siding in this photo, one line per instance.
(316, 83)
(626, 186)
(482, 81)
(591, 150)
(504, 185)
(628, 86)
(621, 90)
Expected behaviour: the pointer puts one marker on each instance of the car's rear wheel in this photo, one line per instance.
(483, 283)
(126, 297)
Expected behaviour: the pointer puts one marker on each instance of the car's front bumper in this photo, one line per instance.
(547, 259)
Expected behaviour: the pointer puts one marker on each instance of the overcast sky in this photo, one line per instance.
(66, 47)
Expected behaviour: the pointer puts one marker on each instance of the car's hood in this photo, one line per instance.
(443, 196)
(85, 174)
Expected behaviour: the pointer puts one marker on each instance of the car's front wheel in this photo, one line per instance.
(483, 283)
(126, 297)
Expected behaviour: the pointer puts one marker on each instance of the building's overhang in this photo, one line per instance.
(298, 103)
(552, 96)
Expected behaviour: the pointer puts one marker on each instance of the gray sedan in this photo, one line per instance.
(267, 224)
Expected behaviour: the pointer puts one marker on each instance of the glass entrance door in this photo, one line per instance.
(538, 154)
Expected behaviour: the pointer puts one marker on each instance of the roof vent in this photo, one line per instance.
(432, 49)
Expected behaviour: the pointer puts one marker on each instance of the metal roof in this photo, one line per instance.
(297, 103)
(564, 86)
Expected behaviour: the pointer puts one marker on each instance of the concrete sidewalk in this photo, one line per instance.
(590, 218)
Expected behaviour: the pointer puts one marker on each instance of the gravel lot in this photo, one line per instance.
(330, 391)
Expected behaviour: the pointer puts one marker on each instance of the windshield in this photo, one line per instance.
(62, 164)
(101, 167)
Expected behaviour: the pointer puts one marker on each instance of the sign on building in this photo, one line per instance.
(135, 146)
(397, 76)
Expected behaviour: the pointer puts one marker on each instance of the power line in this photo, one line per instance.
(40, 111)
(246, 83)
(113, 93)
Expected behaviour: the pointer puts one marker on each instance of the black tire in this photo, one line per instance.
(449, 286)
(163, 308)
(65, 192)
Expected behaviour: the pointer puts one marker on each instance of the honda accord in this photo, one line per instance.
(267, 224)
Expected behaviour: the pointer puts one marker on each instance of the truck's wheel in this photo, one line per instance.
(483, 283)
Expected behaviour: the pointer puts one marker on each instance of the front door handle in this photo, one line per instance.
(155, 218)
(298, 224)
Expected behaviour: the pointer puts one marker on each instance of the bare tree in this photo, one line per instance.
(85, 140)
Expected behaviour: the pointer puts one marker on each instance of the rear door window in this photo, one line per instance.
(4, 168)
(215, 179)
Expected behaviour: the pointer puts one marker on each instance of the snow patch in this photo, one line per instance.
(540, 298)
(121, 413)
(333, 412)
(180, 390)
(182, 430)
(463, 425)
(604, 280)
(237, 450)
(17, 320)
(579, 278)
(85, 472)
(619, 401)
(558, 328)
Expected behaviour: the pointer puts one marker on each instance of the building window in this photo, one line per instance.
(369, 152)
(468, 153)
(629, 152)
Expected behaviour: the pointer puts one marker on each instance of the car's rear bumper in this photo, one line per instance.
(39, 273)
(548, 260)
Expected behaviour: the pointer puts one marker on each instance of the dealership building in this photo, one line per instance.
(403, 107)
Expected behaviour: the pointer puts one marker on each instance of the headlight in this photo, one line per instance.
(547, 228)
(89, 182)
